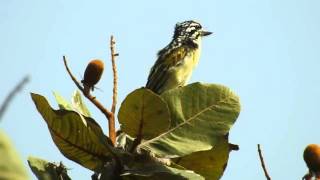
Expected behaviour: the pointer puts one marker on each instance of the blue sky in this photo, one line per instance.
(267, 51)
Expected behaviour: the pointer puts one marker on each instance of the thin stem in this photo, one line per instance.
(10, 96)
(263, 164)
(112, 130)
(109, 115)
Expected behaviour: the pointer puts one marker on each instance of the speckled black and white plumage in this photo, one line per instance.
(176, 61)
(185, 33)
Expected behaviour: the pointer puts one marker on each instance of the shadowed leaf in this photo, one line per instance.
(146, 168)
(210, 164)
(78, 138)
(45, 170)
(144, 113)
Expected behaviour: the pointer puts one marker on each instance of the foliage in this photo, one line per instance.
(181, 134)
(200, 114)
(211, 163)
(11, 166)
(144, 114)
(46, 170)
(78, 137)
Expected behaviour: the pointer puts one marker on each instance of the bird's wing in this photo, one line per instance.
(160, 72)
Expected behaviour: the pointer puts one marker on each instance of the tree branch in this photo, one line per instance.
(262, 164)
(112, 131)
(109, 115)
(10, 96)
(115, 74)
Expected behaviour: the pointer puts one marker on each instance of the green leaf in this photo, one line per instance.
(210, 164)
(160, 174)
(200, 114)
(79, 139)
(63, 104)
(124, 141)
(45, 170)
(11, 166)
(79, 105)
(144, 114)
(146, 168)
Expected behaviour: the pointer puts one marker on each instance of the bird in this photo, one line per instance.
(176, 61)
(92, 75)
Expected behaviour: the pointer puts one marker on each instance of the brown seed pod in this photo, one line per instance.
(92, 74)
(311, 156)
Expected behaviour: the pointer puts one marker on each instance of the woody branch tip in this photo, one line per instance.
(106, 112)
(263, 164)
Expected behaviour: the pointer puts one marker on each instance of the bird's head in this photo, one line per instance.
(189, 30)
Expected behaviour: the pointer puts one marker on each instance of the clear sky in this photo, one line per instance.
(267, 51)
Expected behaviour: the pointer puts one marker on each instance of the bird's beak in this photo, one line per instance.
(205, 33)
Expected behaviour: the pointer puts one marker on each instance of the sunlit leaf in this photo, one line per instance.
(200, 114)
(63, 103)
(124, 141)
(45, 170)
(78, 104)
(144, 114)
(11, 166)
(81, 142)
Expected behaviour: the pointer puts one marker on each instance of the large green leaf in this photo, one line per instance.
(145, 167)
(45, 170)
(144, 114)
(210, 164)
(79, 139)
(200, 114)
(11, 166)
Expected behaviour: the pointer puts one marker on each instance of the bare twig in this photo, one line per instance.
(109, 115)
(112, 131)
(262, 163)
(10, 96)
(115, 74)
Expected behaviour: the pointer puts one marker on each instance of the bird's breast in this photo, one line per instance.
(190, 61)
